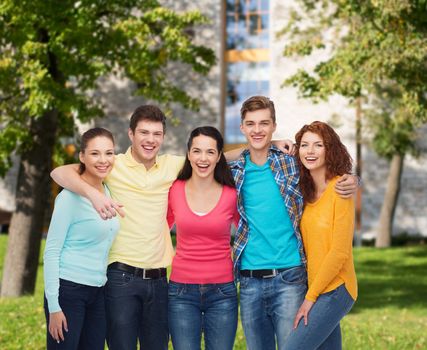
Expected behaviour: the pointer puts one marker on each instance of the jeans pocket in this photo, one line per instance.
(227, 289)
(175, 289)
(118, 278)
(346, 297)
(331, 294)
(244, 282)
(295, 275)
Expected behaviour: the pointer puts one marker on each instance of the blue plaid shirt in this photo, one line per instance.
(286, 174)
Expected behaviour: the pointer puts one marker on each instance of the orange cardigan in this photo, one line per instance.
(327, 227)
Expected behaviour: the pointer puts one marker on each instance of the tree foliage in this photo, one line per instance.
(391, 123)
(52, 54)
(377, 47)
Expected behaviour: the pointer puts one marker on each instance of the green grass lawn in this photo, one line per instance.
(390, 314)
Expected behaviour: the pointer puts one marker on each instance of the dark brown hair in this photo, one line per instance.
(338, 160)
(222, 173)
(89, 135)
(147, 112)
(256, 103)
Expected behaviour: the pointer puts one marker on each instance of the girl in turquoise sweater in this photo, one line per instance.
(76, 253)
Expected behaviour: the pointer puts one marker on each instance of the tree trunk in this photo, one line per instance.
(358, 216)
(32, 194)
(388, 208)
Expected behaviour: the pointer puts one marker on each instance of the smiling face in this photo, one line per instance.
(312, 152)
(146, 141)
(258, 127)
(203, 156)
(98, 157)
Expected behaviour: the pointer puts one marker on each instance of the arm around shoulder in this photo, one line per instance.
(67, 176)
(347, 185)
(233, 154)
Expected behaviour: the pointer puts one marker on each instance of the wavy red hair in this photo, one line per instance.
(338, 160)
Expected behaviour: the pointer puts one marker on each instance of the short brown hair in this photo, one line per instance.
(147, 112)
(256, 103)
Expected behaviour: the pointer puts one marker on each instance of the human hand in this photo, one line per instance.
(233, 154)
(303, 312)
(286, 146)
(346, 185)
(106, 207)
(57, 322)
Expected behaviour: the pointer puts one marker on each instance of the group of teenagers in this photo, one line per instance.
(106, 274)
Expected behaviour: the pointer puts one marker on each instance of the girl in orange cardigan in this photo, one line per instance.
(327, 227)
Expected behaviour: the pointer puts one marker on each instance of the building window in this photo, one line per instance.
(246, 59)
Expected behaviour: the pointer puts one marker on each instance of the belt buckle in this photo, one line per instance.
(144, 277)
(273, 274)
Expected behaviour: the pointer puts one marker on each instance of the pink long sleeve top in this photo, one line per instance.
(203, 252)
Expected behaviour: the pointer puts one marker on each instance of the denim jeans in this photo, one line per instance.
(268, 307)
(323, 328)
(208, 308)
(136, 308)
(84, 309)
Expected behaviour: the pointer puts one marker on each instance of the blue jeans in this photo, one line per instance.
(137, 308)
(268, 307)
(84, 309)
(208, 308)
(323, 328)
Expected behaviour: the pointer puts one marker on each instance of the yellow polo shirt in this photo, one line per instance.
(143, 240)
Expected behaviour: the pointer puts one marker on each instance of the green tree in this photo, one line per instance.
(377, 54)
(52, 56)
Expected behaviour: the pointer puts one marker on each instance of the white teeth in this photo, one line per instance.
(202, 165)
(310, 158)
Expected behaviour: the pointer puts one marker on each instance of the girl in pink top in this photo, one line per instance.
(203, 205)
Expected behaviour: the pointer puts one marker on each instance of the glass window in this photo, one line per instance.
(264, 23)
(265, 5)
(246, 56)
(245, 19)
(254, 24)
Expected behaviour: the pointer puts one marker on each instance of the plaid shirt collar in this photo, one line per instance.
(286, 175)
(241, 161)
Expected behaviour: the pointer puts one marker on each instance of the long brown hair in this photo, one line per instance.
(338, 160)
